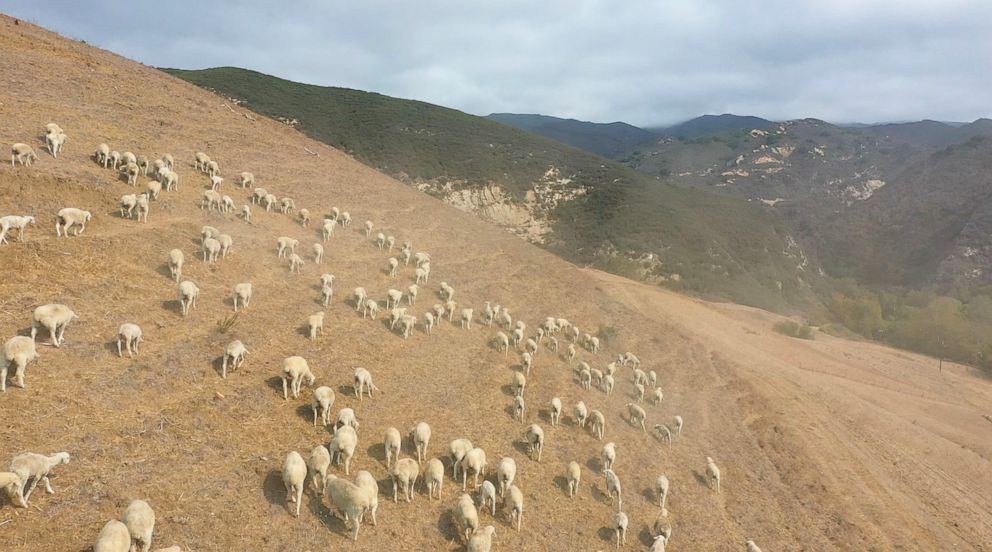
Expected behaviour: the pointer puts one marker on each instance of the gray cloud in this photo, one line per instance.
(644, 62)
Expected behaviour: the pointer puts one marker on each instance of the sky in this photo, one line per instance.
(649, 63)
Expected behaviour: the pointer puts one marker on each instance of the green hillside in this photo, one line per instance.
(621, 220)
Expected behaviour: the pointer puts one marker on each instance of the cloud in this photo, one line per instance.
(640, 61)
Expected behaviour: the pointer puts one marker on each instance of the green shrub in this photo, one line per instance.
(794, 329)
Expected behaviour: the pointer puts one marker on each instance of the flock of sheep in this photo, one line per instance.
(353, 498)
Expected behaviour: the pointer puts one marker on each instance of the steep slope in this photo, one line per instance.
(605, 139)
(587, 209)
(823, 444)
(706, 125)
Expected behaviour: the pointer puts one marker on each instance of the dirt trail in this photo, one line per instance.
(825, 445)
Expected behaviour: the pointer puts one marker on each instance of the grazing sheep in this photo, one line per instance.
(128, 337)
(518, 384)
(247, 179)
(585, 376)
(115, 159)
(326, 293)
(143, 207)
(639, 376)
(613, 489)
(327, 230)
(502, 342)
(346, 417)
(128, 157)
(570, 352)
(751, 547)
(20, 351)
(391, 442)
(652, 378)
(393, 266)
(535, 440)
(139, 518)
(678, 425)
(349, 499)
(316, 324)
(200, 161)
(433, 477)
(439, 312)
(608, 383)
(574, 475)
(169, 179)
(506, 472)
(345, 219)
(380, 240)
(154, 189)
(212, 200)
(23, 154)
(555, 411)
(405, 473)
(102, 154)
(420, 436)
(287, 205)
(482, 540)
(68, 218)
(236, 352)
(581, 414)
(393, 298)
(662, 532)
(215, 182)
(246, 213)
(466, 516)
(362, 382)
(475, 461)
(518, 336)
(428, 322)
(513, 503)
(450, 306)
(609, 455)
(295, 263)
(188, 292)
(242, 294)
(211, 249)
(317, 465)
(637, 415)
(54, 318)
(14, 222)
(447, 292)
(365, 481)
(712, 473)
(456, 451)
(318, 253)
(11, 485)
(114, 537)
(34, 468)
(127, 204)
(467, 319)
(664, 433)
(661, 485)
(208, 232)
(594, 344)
(131, 171)
(658, 395)
(342, 446)
(323, 400)
(553, 344)
(258, 195)
(487, 495)
(368, 228)
(371, 309)
(213, 169)
(142, 163)
(598, 423)
(620, 523)
(295, 372)
(518, 408)
(294, 475)
(360, 297)
(286, 245)
(54, 140)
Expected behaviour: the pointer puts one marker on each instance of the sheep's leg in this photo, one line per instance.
(119, 354)
(48, 485)
(3, 378)
(30, 488)
(285, 391)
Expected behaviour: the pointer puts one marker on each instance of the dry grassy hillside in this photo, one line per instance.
(826, 445)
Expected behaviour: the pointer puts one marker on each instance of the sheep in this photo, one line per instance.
(11, 485)
(318, 253)
(467, 319)
(53, 317)
(360, 297)
(139, 518)
(286, 245)
(236, 353)
(287, 205)
(211, 249)
(131, 171)
(421, 275)
(518, 384)
(608, 384)
(242, 294)
(127, 204)
(555, 411)
(23, 154)
(405, 473)
(678, 425)
(317, 465)
(215, 182)
(54, 142)
(456, 451)
(367, 483)
(535, 440)
(327, 230)
(380, 240)
(68, 218)
(295, 263)
(518, 408)
(596, 376)
(712, 473)
(142, 162)
(34, 468)
(258, 195)
(506, 472)
(438, 312)
(553, 344)
(19, 351)
(345, 219)
(246, 213)
(658, 395)
(247, 179)
(208, 232)
(475, 461)
(450, 306)
(368, 228)
(169, 179)
(362, 381)
(594, 344)
(212, 200)
(581, 414)
(751, 547)
(609, 455)
(530, 346)
(143, 207)
(585, 376)
(326, 293)
(639, 391)
(505, 318)
(304, 217)
(102, 154)
(269, 200)
(14, 222)
(393, 266)
(212, 168)
(513, 503)
(661, 530)
(428, 322)
(518, 336)
(115, 159)
(639, 376)
(637, 415)
(226, 204)
(409, 322)
(466, 516)
(652, 378)
(662, 485)
(323, 400)
(391, 443)
(613, 488)
(482, 540)
(371, 309)
(350, 499)
(294, 475)
(128, 337)
(342, 446)
(114, 537)
(447, 292)
(574, 476)
(433, 477)
(295, 372)
(620, 522)
(597, 423)
(154, 188)
(502, 342)
(420, 436)
(316, 324)
(487, 495)
(346, 417)
(664, 433)
(526, 362)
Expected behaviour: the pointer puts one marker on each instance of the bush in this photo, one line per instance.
(793, 329)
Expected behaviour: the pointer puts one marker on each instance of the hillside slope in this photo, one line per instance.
(825, 445)
(587, 209)
(605, 139)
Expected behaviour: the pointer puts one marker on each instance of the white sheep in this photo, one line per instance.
(371, 309)
(713, 472)
(506, 472)
(128, 337)
(169, 179)
(620, 522)
(295, 372)
(502, 342)
(54, 140)
(613, 489)
(139, 518)
(235, 353)
(286, 245)
(393, 298)
(409, 322)
(362, 382)
(258, 195)
(14, 222)
(269, 200)
(154, 188)
(678, 425)
(661, 530)
(428, 322)
(482, 540)
(608, 383)
(211, 250)
(585, 376)
(70, 217)
(438, 312)
(295, 263)
(664, 433)
(326, 293)
(487, 495)
(570, 352)
(127, 204)
(318, 253)
(294, 475)
(467, 319)
(360, 297)
(380, 240)
(11, 485)
(581, 414)
(327, 230)
(475, 461)
(115, 159)
(751, 547)
(526, 362)
(639, 376)
(466, 516)
(391, 443)
(53, 317)
(405, 473)
(555, 411)
(420, 436)
(342, 446)
(457, 450)
(34, 468)
(609, 455)
(518, 336)
(518, 408)
(114, 537)
(315, 322)
(574, 476)
(658, 395)
(433, 477)
(143, 207)
(208, 232)
(535, 440)
(350, 499)
(131, 171)
(513, 503)
(597, 423)
(247, 179)
(594, 344)
(227, 204)
(19, 351)
(287, 205)
(637, 415)
(212, 200)
(450, 306)
(23, 154)
(411, 294)
(368, 228)
(323, 400)
(420, 274)
(366, 481)
(215, 182)
(102, 154)
(652, 378)
(317, 465)
(212, 168)
(246, 213)
(346, 417)
(518, 384)
(242, 294)
(661, 486)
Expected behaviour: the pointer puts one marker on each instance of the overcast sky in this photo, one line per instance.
(643, 62)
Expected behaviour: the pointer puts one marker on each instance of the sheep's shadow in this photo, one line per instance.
(275, 383)
(164, 270)
(562, 483)
(522, 447)
(448, 527)
(607, 534)
(274, 489)
(508, 390)
(595, 465)
(600, 495)
(218, 365)
(700, 478)
(305, 411)
(511, 411)
(648, 494)
(378, 452)
(544, 414)
(174, 305)
(645, 536)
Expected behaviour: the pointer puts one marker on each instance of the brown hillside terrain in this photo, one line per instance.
(823, 445)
